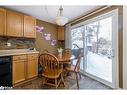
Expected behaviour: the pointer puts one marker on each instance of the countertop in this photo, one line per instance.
(16, 52)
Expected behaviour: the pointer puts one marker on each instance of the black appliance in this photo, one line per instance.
(6, 71)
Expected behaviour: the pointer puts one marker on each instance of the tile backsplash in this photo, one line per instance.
(16, 43)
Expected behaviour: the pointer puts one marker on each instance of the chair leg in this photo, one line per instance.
(43, 81)
(62, 79)
(80, 76)
(56, 83)
(77, 80)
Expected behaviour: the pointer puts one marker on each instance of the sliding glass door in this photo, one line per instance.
(99, 54)
(99, 39)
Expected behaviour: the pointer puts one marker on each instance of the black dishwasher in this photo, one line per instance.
(6, 71)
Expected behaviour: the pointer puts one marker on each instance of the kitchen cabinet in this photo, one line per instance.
(29, 27)
(61, 32)
(19, 68)
(14, 24)
(2, 21)
(25, 67)
(32, 65)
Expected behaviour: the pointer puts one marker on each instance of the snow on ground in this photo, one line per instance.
(98, 65)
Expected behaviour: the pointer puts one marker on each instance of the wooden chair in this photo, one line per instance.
(67, 51)
(39, 65)
(44, 51)
(76, 68)
(51, 69)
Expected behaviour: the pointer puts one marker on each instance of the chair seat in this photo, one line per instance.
(52, 75)
(71, 68)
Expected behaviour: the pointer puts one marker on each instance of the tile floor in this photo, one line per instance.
(85, 83)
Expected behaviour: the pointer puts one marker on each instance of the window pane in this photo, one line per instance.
(77, 43)
(98, 44)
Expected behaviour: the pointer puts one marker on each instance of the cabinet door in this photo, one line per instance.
(29, 27)
(60, 30)
(32, 68)
(19, 71)
(32, 65)
(14, 24)
(2, 21)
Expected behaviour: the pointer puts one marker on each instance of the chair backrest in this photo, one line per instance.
(50, 64)
(44, 51)
(67, 51)
(77, 66)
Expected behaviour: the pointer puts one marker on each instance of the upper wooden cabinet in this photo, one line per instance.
(29, 27)
(2, 21)
(61, 33)
(14, 24)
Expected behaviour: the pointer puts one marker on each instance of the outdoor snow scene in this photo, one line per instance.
(96, 41)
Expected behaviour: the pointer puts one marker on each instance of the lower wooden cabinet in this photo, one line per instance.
(24, 68)
(32, 65)
(19, 71)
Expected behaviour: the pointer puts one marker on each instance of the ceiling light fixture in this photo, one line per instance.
(61, 20)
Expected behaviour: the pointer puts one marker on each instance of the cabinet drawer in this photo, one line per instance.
(20, 57)
(32, 56)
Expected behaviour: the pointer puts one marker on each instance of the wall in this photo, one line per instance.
(16, 43)
(40, 42)
(125, 47)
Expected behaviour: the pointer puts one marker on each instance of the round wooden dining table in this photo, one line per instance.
(65, 61)
(66, 58)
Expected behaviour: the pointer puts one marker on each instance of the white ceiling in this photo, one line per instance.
(49, 13)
